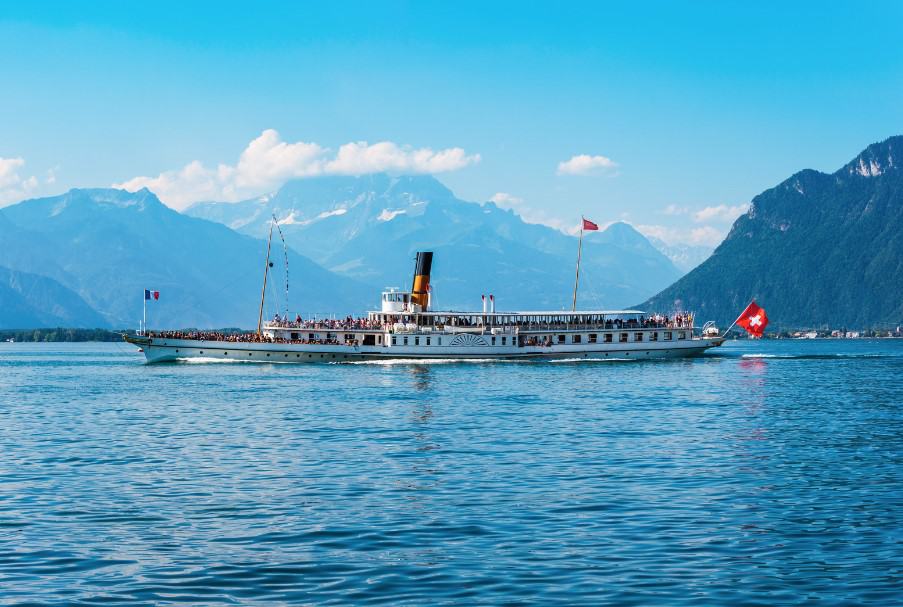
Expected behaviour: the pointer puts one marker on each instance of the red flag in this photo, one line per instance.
(589, 226)
(156, 295)
(753, 319)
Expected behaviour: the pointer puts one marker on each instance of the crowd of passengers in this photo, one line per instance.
(657, 321)
(241, 338)
(347, 323)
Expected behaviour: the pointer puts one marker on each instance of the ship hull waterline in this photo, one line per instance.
(174, 350)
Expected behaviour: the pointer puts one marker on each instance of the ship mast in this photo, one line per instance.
(266, 270)
(577, 277)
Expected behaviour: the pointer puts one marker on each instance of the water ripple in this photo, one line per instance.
(767, 474)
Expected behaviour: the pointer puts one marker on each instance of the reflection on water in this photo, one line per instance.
(770, 473)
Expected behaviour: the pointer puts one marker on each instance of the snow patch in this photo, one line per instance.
(872, 169)
(388, 215)
(291, 220)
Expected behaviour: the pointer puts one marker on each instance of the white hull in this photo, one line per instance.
(167, 349)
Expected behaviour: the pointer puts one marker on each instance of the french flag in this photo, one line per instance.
(155, 295)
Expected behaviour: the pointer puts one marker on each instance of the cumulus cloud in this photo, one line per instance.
(702, 235)
(584, 164)
(505, 200)
(673, 209)
(268, 162)
(13, 186)
(721, 213)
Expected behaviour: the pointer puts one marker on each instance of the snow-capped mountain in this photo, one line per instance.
(368, 228)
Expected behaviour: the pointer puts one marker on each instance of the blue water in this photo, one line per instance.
(770, 473)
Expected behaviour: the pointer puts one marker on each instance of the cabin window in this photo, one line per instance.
(405, 340)
(427, 341)
(653, 336)
(667, 335)
(681, 335)
(575, 339)
(417, 341)
(439, 340)
(394, 341)
(608, 338)
(369, 340)
(493, 340)
(592, 338)
(504, 339)
(310, 336)
(561, 339)
(294, 336)
(637, 337)
(623, 338)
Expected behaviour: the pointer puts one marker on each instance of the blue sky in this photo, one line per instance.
(686, 111)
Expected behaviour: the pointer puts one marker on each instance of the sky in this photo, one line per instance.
(670, 116)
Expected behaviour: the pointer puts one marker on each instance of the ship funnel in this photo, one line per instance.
(420, 290)
(492, 303)
(483, 297)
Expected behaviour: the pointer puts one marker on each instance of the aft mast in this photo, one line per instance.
(579, 252)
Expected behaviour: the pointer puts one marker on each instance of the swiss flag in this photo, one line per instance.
(753, 319)
(589, 226)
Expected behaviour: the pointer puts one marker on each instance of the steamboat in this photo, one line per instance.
(407, 327)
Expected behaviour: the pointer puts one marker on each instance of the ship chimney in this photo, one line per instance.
(492, 303)
(483, 297)
(420, 289)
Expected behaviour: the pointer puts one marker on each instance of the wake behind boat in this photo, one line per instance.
(406, 327)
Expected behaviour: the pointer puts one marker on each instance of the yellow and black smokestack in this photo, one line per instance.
(421, 289)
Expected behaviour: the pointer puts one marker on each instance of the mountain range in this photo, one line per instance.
(368, 229)
(84, 258)
(817, 250)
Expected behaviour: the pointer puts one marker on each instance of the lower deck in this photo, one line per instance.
(166, 349)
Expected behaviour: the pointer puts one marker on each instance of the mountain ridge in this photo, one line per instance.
(368, 228)
(816, 250)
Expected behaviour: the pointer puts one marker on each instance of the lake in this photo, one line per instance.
(764, 473)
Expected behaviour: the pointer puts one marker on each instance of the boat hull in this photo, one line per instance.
(170, 350)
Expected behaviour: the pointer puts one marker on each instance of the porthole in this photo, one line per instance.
(176, 350)
(268, 353)
(286, 355)
(202, 351)
(249, 354)
(225, 354)
(297, 356)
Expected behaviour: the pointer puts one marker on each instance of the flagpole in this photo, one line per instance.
(735, 322)
(144, 297)
(577, 277)
(266, 270)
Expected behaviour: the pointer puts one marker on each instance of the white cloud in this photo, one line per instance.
(721, 213)
(584, 164)
(14, 187)
(673, 209)
(360, 158)
(504, 200)
(268, 162)
(702, 235)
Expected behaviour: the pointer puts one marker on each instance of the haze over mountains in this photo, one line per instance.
(818, 250)
(95, 251)
(84, 258)
(368, 228)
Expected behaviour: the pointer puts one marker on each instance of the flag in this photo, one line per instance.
(156, 295)
(148, 294)
(753, 319)
(589, 226)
